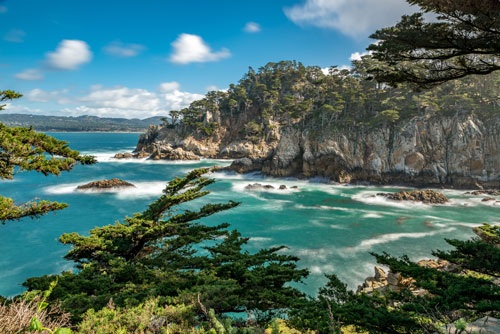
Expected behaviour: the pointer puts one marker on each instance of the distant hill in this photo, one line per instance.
(80, 123)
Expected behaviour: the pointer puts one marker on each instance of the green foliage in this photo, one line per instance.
(445, 297)
(36, 324)
(291, 94)
(463, 39)
(23, 149)
(165, 252)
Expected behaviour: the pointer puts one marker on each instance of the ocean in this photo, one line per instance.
(331, 228)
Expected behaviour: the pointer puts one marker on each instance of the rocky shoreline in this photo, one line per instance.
(460, 152)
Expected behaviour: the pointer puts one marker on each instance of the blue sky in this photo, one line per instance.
(131, 58)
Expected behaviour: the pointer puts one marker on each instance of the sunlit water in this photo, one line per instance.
(332, 228)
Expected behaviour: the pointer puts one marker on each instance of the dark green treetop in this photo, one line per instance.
(464, 39)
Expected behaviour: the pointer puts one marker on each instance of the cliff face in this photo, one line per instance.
(460, 151)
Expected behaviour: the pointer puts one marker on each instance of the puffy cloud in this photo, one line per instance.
(192, 49)
(120, 49)
(166, 87)
(252, 27)
(29, 74)
(69, 55)
(355, 18)
(358, 55)
(14, 35)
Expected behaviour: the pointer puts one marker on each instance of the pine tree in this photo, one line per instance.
(464, 40)
(164, 251)
(23, 149)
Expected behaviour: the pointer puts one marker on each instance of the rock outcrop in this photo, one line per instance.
(383, 281)
(424, 196)
(105, 184)
(460, 151)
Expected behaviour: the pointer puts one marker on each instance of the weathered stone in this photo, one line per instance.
(425, 196)
(105, 184)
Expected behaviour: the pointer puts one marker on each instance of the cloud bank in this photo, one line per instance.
(354, 18)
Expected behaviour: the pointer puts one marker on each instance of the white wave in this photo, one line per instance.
(373, 215)
(260, 239)
(386, 238)
(321, 269)
(370, 197)
(108, 157)
(141, 189)
(322, 207)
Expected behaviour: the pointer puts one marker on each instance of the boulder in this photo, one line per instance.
(141, 155)
(282, 187)
(424, 196)
(105, 184)
(244, 165)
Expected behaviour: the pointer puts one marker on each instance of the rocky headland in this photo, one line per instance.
(281, 135)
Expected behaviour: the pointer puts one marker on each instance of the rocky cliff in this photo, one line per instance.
(291, 120)
(459, 151)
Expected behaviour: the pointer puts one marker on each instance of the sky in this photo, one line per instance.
(137, 59)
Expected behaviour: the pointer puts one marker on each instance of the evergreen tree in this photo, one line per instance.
(464, 40)
(467, 293)
(165, 252)
(23, 149)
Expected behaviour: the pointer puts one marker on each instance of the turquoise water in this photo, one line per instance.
(332, 228)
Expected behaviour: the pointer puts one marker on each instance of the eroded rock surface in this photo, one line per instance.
(105, 184)
(460, 151)
(424, 196)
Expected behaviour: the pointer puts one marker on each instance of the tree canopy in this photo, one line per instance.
(165, 252)
(23, 149)
(462, 40)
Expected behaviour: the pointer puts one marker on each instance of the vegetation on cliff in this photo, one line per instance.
(289, 93)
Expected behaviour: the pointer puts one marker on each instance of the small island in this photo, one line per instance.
(105, 184)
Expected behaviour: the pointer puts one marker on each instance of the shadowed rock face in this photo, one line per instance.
(105, 184)
(424, 196)
(460, 151)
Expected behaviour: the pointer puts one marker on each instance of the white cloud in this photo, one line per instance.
(29, 74)
(252, 27)
(166, 87)
(357, 55)
(120, 49)
(116, 101)
(211, 88)
(69, 55)
(355, 18)
(192, 49)
(3, 9)
(40, 95)
(14, 35)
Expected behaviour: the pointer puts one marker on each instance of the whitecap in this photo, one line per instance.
(372, 215)
(370, 197)
(389, 237)
(141, 189)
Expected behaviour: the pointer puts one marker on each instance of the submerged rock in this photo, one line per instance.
(424, 196)
(105, 184)
(491, 192)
